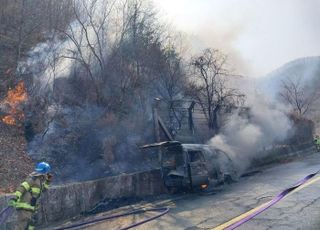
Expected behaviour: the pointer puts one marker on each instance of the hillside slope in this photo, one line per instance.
(15, 164)
(307, 68)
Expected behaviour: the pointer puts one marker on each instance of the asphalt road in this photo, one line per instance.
(205, 211)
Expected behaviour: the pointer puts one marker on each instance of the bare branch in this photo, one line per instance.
(297, 95)
(209, 87)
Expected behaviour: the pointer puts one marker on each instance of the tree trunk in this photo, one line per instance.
(213, 120)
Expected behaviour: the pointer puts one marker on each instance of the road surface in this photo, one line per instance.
(205, 211)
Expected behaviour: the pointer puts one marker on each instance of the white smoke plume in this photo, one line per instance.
(245, 134)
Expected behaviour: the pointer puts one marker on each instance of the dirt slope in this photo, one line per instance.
(15, 164)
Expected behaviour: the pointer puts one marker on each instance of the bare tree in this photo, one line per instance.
(114, 44)
(170, 85)
(299, 96)
(88, 34)
(209, 88)
(136, 54)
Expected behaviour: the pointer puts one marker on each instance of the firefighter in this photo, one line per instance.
(27, 195)
(317, 142)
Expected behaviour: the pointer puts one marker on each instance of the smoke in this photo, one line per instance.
(72, 129)
(249, 132)
(266, 123)
(56, 57)
(79, 133)
(305, 70)
(263, 34)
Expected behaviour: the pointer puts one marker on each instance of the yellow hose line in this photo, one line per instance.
(236, 219)
(312, 181)
(244, 215)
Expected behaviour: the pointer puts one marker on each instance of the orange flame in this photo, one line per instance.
(14, 98)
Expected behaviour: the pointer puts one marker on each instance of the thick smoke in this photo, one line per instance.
(266, 122)
(73, 131)
(249, 132)
(304, 72)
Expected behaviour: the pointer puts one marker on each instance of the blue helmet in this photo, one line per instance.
(43, 168)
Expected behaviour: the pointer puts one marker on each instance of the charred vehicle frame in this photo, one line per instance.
(192, 166)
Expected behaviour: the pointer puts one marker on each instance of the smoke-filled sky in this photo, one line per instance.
(258, 35)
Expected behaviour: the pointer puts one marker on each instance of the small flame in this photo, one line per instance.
(14, 98)
(204, 186)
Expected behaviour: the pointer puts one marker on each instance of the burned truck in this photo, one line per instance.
(193, 166)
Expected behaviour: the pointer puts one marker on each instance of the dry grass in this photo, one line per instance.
(15, 164)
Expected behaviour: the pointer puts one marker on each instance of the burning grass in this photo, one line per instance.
(15, 97)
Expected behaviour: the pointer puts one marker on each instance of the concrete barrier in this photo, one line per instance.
(63, 202)
(282, 153)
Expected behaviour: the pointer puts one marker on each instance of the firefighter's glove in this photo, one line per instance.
(12, 202)
(49, 177)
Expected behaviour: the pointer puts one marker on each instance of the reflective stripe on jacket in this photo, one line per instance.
(25, 206)
(30, 190)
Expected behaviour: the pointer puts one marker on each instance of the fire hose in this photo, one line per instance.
(162, 211)
(245, 217)
(7, 212)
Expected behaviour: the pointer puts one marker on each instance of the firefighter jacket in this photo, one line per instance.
(30, 190)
